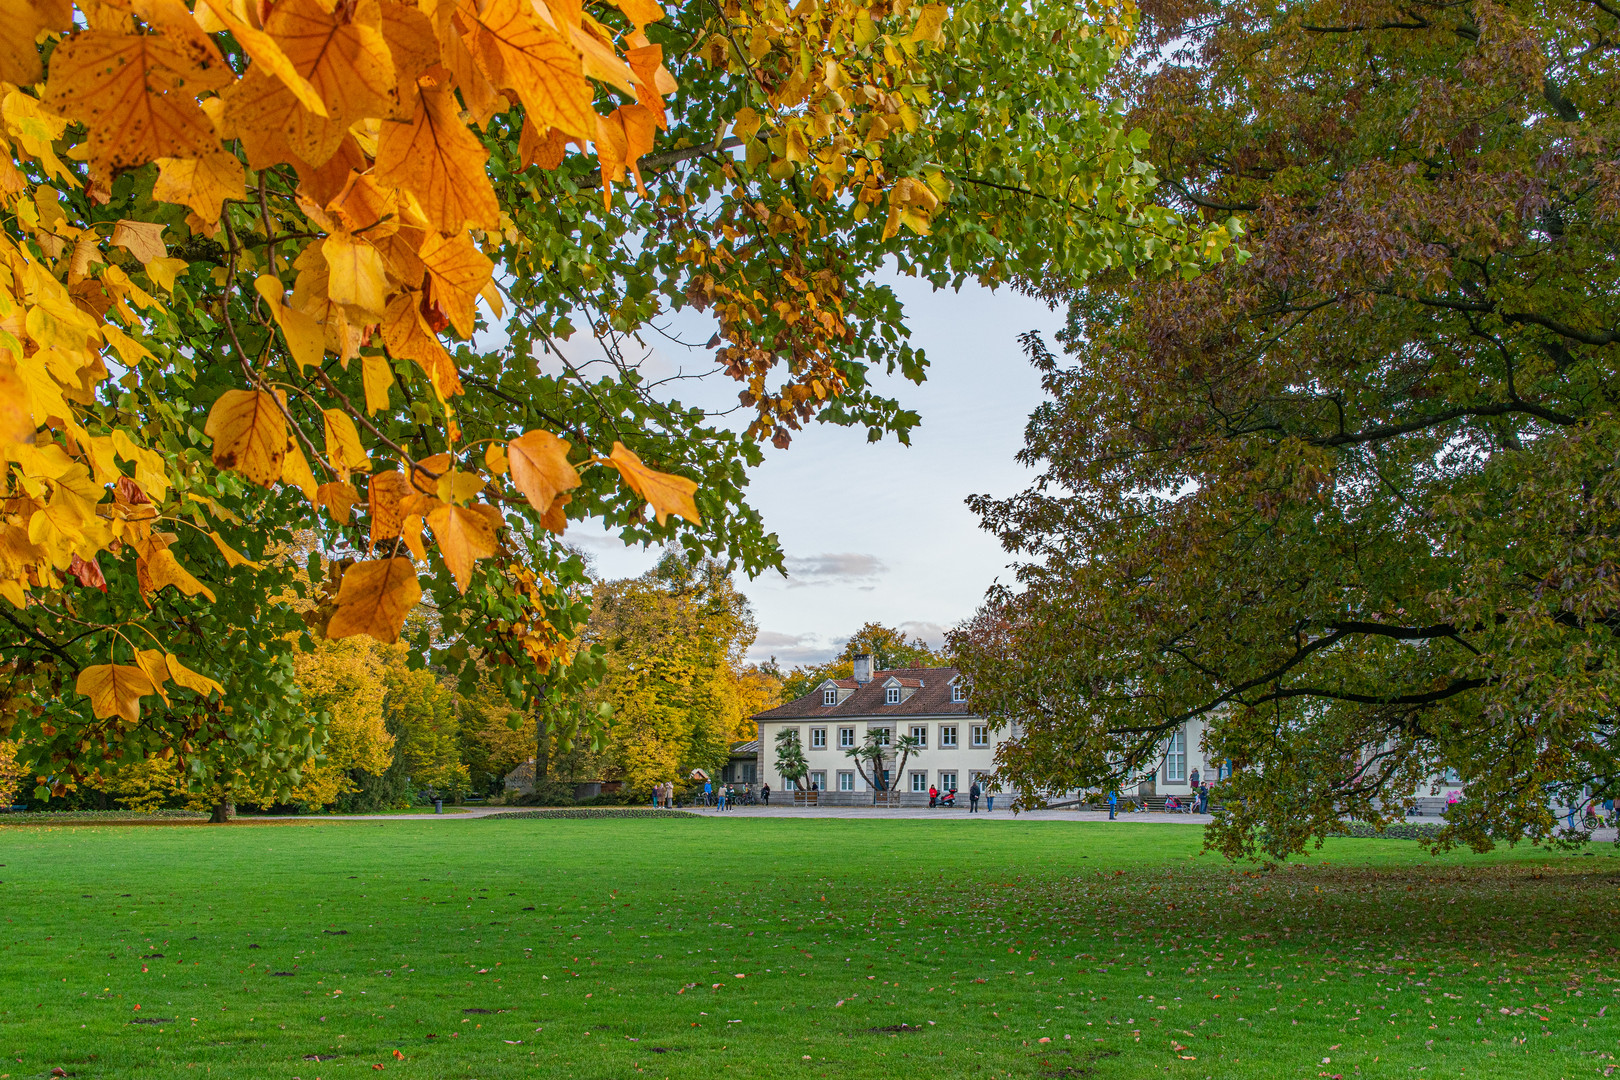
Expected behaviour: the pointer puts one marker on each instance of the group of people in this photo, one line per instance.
(1195, 803)
(937, 798)
(718, 796)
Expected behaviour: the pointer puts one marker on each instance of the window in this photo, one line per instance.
(846, 781)
(883, 736)
(846, 738)
(958, 691)
(891, 696)
(818, 781)
(920, 733)
(818, 738)
(1175, 759)
(981, 734)
(1453, 776)
(829, 697)
(919, 781)
(887, 783)
(947, 736)
(947, 781)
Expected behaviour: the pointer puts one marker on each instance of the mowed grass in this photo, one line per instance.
(787, 948)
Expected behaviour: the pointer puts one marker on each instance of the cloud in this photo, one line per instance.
(845, 568)
(792, 650)
(931, 632)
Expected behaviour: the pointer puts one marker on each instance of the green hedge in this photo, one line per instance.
(592, 812)
(68, 817)
(1403, 830)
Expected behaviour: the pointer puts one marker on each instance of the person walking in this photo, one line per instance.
(1203, 798)
(765, 793)
(989, 799)
(933, 796)
(1113, 804)
(973, 798)
(708, 792)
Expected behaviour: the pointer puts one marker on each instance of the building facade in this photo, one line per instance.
(927, 704)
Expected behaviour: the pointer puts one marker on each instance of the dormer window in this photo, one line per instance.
(958, 692)
(829, 697)
(891, 696)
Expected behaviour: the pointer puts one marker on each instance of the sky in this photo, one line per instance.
(879, 531)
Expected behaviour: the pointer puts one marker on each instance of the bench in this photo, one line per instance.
(807, 798)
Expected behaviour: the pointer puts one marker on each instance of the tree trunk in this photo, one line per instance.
(542, 751)
(224, 810)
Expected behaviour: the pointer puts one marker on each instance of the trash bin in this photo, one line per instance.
(438, 806)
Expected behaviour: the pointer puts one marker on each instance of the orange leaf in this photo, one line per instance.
(338, 497)
(24, 20)
(668, 493)
(546, 71)
(374, 598)
(250, 435)
(465, 535)
(341, 51)
(267, 54)
(540, 468)
(409, 338)
(457, 273)
(438, 160)
(640, 12)
(202, 183)
(119, 86)
(545, 150)
(115, 690)
(384, 494)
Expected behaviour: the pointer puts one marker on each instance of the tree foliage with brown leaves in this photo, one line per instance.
(1353, 501)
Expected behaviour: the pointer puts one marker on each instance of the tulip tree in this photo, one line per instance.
(385, 272)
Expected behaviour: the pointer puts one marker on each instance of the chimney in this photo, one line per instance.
(863, 668)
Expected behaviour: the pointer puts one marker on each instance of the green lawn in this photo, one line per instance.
(760, 948)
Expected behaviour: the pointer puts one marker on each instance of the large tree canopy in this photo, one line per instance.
(269, 265)
(1352, 501)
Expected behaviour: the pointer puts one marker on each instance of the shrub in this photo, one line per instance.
(594, 812)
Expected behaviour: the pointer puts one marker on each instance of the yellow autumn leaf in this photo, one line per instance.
(142, 239)
(115, 690)
(374, 598)
(295, 470)
(161, 569)
(377, 377)
(233, 558)
(250, 435)
(343, 449)
(355, 273)
(667, 493)
(163, 271)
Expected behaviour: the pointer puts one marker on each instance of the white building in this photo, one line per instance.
(928, 704)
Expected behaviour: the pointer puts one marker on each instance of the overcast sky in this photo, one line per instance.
(879, 531)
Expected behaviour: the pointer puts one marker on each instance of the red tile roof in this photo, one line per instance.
(931, 698)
